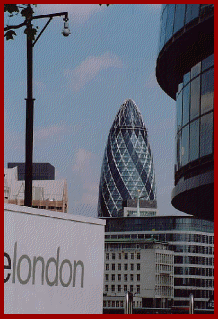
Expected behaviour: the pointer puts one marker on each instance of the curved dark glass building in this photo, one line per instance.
(127, 170)
(185, 71)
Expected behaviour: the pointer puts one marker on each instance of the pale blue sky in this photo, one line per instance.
(79, 84)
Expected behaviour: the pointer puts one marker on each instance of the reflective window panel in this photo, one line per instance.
(185, 145)
(207, 91)
(186, 104)
(194, 140)
(195, 98)
(206, 134)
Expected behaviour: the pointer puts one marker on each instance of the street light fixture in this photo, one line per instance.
(29, 99)
(66, 30)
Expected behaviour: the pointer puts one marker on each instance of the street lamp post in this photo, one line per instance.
(29, 99)
(29, 121)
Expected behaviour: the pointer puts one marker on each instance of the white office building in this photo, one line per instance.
(142, 266)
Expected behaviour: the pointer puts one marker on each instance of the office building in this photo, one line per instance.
(127, 170)
(144, 267)
(41, 171)
(190, 241)
(185, 71)
(46, 194)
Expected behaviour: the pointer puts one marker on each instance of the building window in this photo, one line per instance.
(194, 140)
(106, 277)
(113, 266)
(208, 62)
(113, 256)
(107, 256)
(119, 277)
(170, 21)
(138, 289)
(108, 303)
(125, 287)
(125, 266)
(206, 134)
(125, 277)
(126, 256)
(119, 256)
(119, 288)
(179, 17)
(138, 266)
(132, 255)
(106, 287)
(113, 277)
(195, 98)
(119, 266)
(179, 111)
(207, 91)
(132, 266)
(186, 104)
(192, 12)
(138, 277)
(107, 267)
(117, 304)
(131, 288)
(112, 287)
(131, 277)
(138, 256)
(104, 303)
(185, 145)
(113, 303)
(196, 70)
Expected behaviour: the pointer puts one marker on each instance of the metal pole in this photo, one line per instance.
(128, 303)
(29, 121)
(191, 304)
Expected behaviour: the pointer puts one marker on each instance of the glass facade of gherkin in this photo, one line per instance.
(127, 170)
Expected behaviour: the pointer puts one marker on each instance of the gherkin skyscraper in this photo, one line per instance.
(127, 169)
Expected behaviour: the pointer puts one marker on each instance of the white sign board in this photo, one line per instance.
(53, 262)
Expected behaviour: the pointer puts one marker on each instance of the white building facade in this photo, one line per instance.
(144, 267)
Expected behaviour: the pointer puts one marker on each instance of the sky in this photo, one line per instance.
(79, 84)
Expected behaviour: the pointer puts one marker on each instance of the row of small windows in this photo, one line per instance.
(196, 249)
(119, 246)
(125, 277)
(175, 16)
(125, 267)
(164, 291)
(119, 288)
(198, 260)
(119, 304)
(168, 237)
(48, 207)
(164, 280)
(122, 256)
(194, 271)
(196, 282)
(183, 293)
(162, 224)
(164, 268)
(164, 258)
